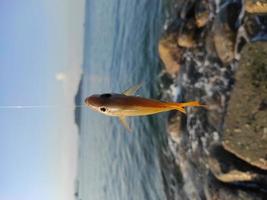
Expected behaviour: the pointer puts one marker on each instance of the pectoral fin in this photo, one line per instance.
(132, 90)
(124, 123)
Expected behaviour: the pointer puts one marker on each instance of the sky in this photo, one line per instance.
(41, 54)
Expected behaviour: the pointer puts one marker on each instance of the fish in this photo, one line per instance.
(126, 105)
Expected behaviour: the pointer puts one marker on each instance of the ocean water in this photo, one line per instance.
(121, 38)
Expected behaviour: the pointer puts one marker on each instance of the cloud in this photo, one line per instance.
(61, 76)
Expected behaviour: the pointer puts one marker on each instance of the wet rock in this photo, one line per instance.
(215, 190)
(174, 126)
(228, 168)
(186, 36)
(224, 40)
(170, 53)
(233, 178)
(224, 29)
(202, 13)
(246, 118)
(172, 177)
(255, 27)
(204, 77)
(186, 40)
(188, 10)
(251, 25)
(256, 6)
(192, 14)
(215, 114)
(209, 45)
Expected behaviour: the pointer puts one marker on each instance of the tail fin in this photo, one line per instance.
(181, 109)
(191, 103)
(180, 106)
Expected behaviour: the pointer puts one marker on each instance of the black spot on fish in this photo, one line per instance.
(103, 109)
(105, 95)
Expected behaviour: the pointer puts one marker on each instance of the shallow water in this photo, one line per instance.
(120, 51)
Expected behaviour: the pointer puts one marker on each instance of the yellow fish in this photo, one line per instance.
(125, 104)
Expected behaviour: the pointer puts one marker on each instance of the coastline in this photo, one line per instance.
(204, 50)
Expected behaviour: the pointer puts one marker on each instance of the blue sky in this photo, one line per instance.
(41, 49)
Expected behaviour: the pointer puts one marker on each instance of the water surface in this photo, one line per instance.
(120, 51)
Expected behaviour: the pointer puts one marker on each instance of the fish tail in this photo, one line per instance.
(191, 104)
(180, 106)
(176, 106)
(181, 109)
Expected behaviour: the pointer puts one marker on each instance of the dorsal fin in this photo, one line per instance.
(124, 123)
(132, 90)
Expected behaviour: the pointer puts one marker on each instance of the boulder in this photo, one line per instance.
(256, 6)
(228, 168)
(186, 37)
(224, 41)
(224, 29)
(245, 128)
(202, 12)
(170, 54)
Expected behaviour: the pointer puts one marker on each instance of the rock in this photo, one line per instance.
(239, 178)
(186, 40)
(224, 41)
(224, 28)
(246, 118)
(251, 25)
(224, 38)
(255, 27)
(174, 126)
(186, 36)
(228, 168)
(256, 6)
(215, 190)
(235, 176)
(202, 13)
(170, 53)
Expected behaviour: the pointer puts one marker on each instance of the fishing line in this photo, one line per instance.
(40, 106)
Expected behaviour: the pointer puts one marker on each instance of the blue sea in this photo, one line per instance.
(121, 38)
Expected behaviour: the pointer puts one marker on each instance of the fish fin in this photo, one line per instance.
(132, 90)
(181, 109)
(180, 106)
(176, 106)
(192, 103)
(124, 123)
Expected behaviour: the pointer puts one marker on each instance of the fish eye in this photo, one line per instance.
(105, 95)
(103, 109)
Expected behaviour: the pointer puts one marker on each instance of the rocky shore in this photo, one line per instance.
(217, 53)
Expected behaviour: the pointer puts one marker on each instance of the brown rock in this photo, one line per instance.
(209, 44)
(170, 54)
(186, 36)
(174, 126)
(224, 29)
(254, 25)
(215, 190)
(246, 119)
(202, 13)
(231, 175)
(202, 19)
(186, 40)
(224, 41)
(228, 168)
(256, 6)
(251, 26)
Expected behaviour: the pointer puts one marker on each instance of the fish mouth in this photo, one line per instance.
(92, 101)
(87, 101)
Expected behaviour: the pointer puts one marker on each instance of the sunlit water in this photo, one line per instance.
(120, 51)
